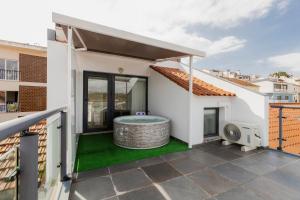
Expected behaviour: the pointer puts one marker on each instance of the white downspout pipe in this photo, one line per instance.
(69, 100)
(190, 103)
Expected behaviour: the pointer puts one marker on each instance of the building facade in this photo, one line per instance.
(279, 90)
(23, 77)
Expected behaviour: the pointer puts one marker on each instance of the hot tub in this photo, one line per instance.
(141, 132)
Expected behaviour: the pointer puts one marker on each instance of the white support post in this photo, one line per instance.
(190, 100)
(69, 99)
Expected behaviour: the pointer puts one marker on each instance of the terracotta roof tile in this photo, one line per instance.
(291, 128)
(200, 88)
(7, 165)
(241, 82)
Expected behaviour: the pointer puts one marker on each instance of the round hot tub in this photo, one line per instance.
(141, 132)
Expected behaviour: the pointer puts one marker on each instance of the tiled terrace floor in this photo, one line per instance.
(209, 171)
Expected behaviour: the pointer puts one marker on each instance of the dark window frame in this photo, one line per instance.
(217, 109)
(110, 95)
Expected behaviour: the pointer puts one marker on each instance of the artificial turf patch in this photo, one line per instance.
(97, 151)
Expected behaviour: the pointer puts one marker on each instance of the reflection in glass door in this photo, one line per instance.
(96, 103)
(211, 122)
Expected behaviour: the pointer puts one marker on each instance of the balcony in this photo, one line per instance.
(209, 171)
(9, 75)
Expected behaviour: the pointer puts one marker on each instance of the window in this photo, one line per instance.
(211, 122)
(278, 97)
(2, 69)
(286, 97)
(9, 69)
(130, 95)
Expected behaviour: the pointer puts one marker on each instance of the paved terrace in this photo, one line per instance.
(209, 171)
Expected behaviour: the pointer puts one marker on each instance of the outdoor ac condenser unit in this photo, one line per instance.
(242, 133)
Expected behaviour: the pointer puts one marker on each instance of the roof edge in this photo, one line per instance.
(101, 29)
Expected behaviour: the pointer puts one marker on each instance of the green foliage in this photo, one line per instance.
(281, 74)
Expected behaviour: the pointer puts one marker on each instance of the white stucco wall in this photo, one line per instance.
(105, 63)
(248, 106)
(168, 99)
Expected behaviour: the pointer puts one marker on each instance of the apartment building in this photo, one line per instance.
(279, 90)
(23, 77)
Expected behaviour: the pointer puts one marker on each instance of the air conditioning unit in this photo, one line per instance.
(242, 133)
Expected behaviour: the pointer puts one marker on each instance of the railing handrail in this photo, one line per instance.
(285, 106)
(11, 127)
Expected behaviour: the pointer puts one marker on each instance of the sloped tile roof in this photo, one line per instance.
(291, 128)
(181, 78)
(241, 82)
(8, 165)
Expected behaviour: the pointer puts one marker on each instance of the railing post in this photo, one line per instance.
(28, 178)
(280, 129)
(63, 147)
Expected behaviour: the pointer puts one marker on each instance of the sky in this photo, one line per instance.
(253, 36)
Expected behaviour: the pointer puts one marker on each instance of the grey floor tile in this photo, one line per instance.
(123, 167)
(238, 194)
(161, 172)
(183, 188)
(205, 158)
(173, 156)
(113, 198)
(91, 173)
(92, 188)
(235, 173)
(212, 182)
(149, 161)
(274, 158)
(130, 179)
(224, 154)
(148, 193)
(293, 168)
(186, 165)
(270, 190)
(253, 165)
(286, 178)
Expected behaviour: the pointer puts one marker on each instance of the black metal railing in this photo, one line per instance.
(26, 170)
(6, 74)
(285, 127)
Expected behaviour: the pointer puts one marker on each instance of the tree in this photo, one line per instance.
(281, 74)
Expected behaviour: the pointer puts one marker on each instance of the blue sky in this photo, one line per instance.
(254, 36)
(274, 34)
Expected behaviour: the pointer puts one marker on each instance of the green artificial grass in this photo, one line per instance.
(96, 151)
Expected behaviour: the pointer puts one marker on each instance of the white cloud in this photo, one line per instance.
(165, 20)
(290, 61)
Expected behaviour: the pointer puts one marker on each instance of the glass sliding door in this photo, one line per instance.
(211, 122)
(96, 103)
(130, 95)
(106, 96)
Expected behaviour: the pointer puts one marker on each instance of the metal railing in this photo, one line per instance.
(3, 107)
(6, 74)
(287, 116)
(26, 172)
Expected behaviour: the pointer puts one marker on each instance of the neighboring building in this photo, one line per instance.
(279, 90)
(231, 74)
(23, 77)
(244, 83)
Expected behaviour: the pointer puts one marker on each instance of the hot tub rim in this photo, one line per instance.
(166, 120)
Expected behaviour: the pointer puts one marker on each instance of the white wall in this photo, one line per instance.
(167, 99)
(265, 86)
(248, 106)
(97, 62)
(201, 102)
